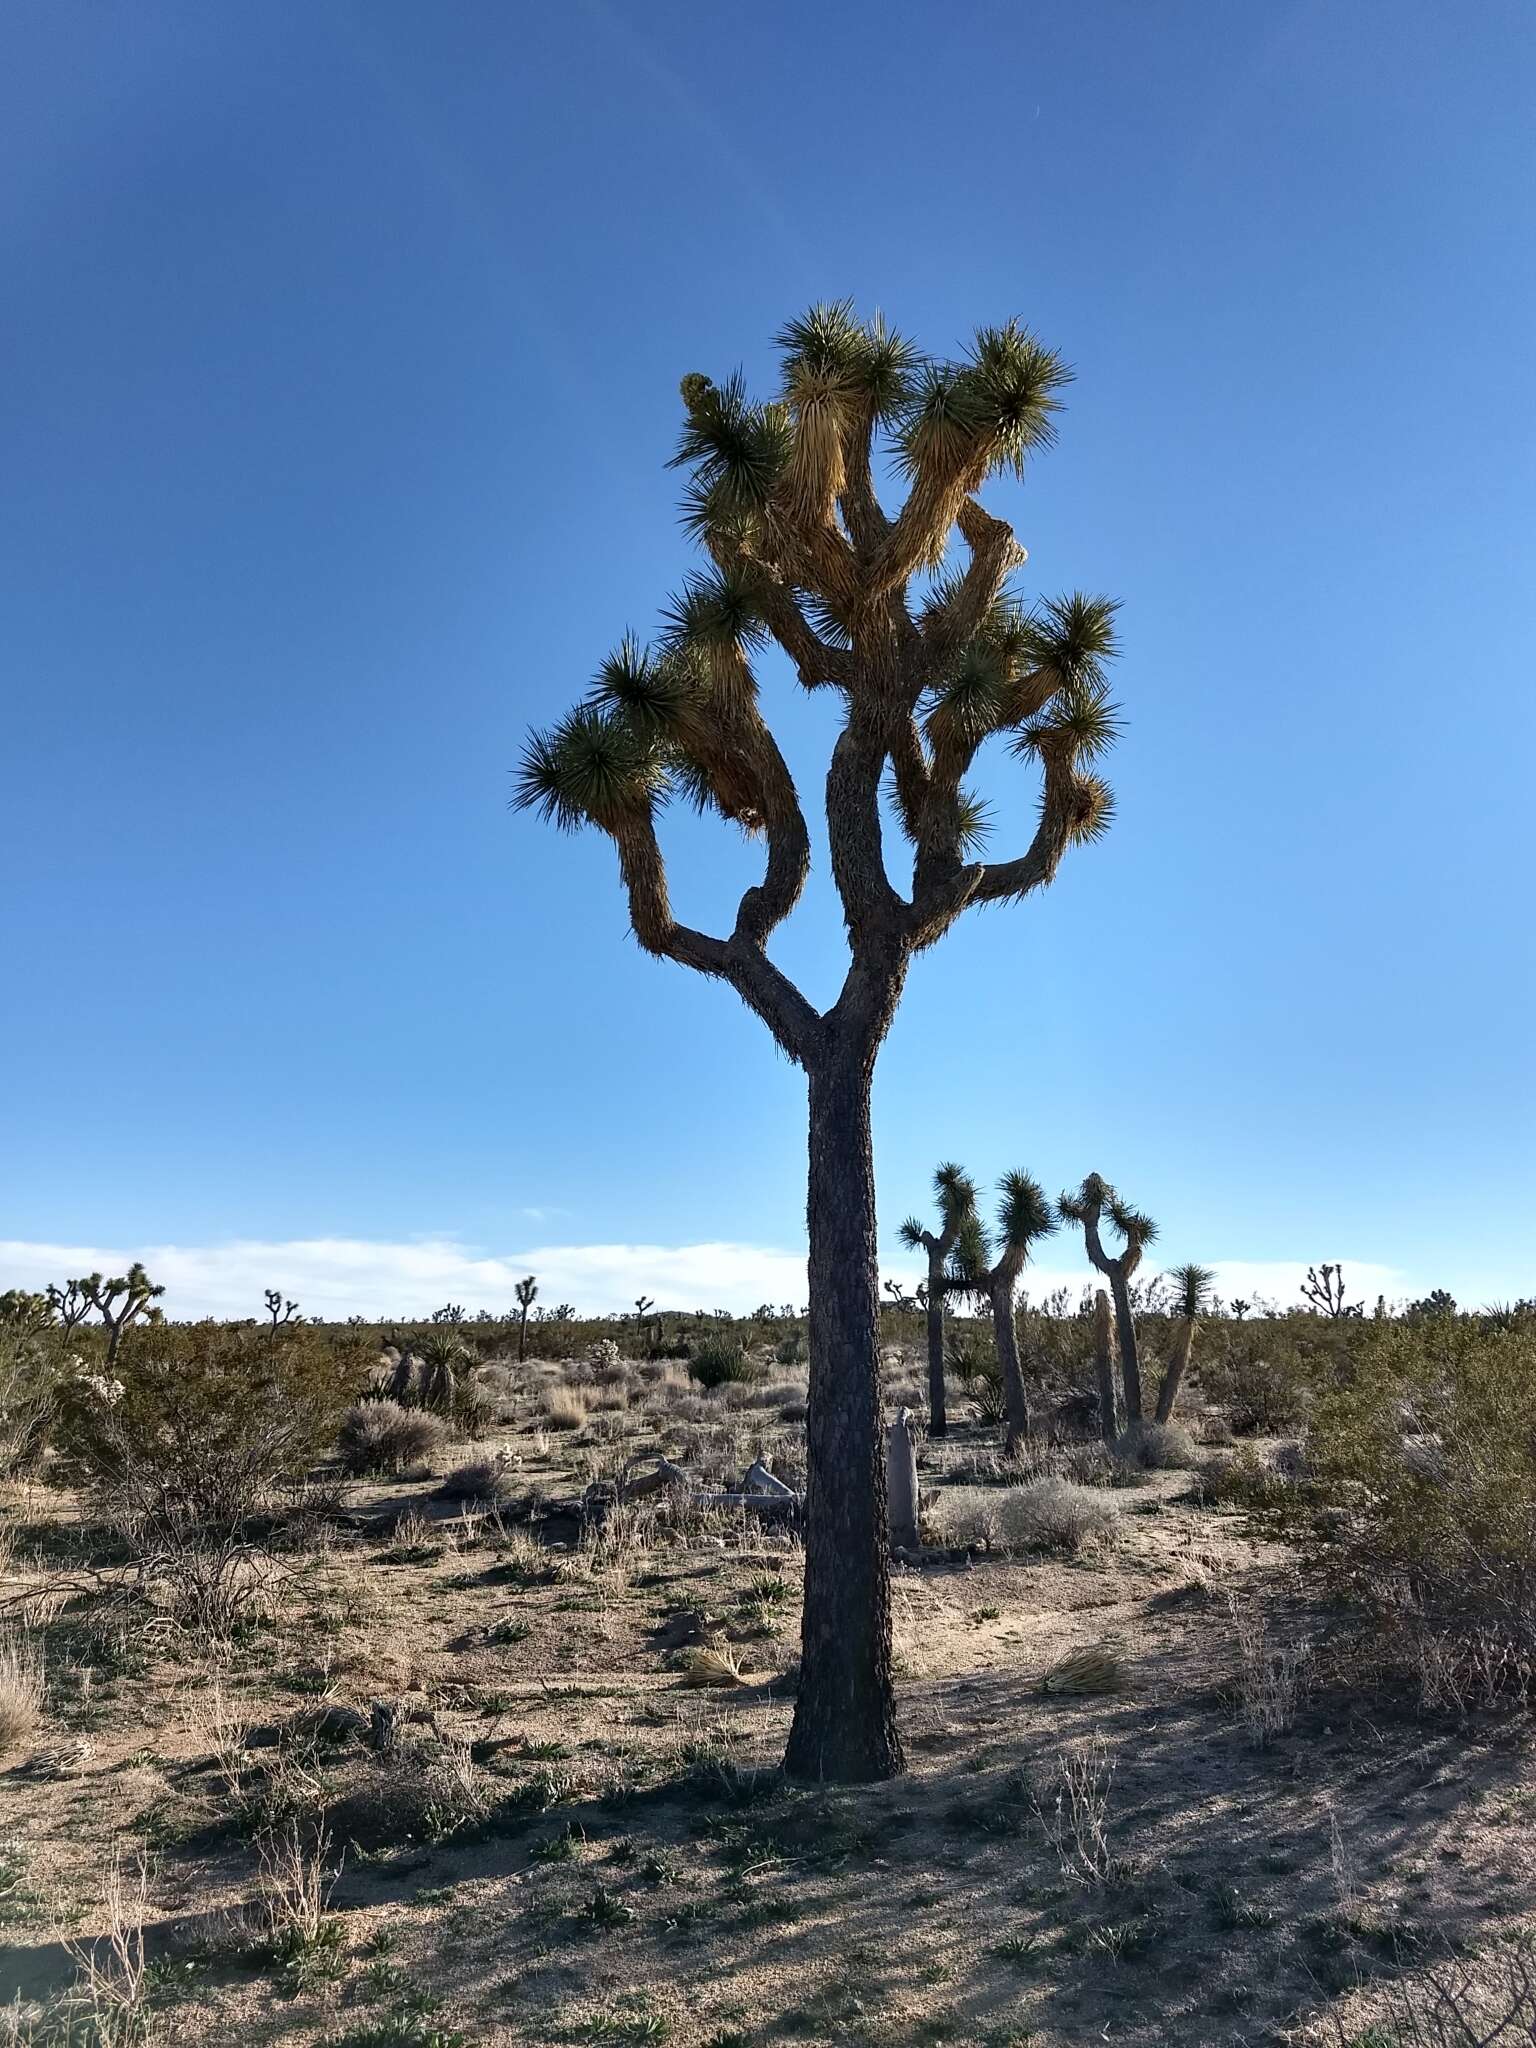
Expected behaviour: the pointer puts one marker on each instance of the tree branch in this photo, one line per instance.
(738, 960)
(816, 662)
(994, 554)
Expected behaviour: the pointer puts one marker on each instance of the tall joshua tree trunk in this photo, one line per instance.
(1015, 1396)
(1194, 1285)
(1088, 1206)
(938, 1406)
(800, 552)
(1023, 1218)
(848, 1731)
(956, 1195)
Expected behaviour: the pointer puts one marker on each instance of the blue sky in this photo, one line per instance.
(340, 350)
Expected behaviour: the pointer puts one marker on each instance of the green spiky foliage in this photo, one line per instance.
(954, 1193)
(931, 659)
(1192, 1287)
(121, 1302)
(527, 1293)
(1024, 1216)
(1088, 1206)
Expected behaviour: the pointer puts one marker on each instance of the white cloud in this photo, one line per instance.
(336, 1277)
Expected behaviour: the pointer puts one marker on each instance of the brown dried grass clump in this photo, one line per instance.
(713, 1664)
(1092, 1668)
(21, 1688)
(564, 1408)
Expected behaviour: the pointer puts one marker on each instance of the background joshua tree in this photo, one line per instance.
(70, 1303)
(1324, 1289)
(136, 1293)
(928, 665)
(1024, 1216)
(1094, 1200)
(1193, 1299)
(527, 1292)
(955, 1193)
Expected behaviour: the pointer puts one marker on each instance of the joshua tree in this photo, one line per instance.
(444, 1358)
(70, 1303)
(782, 499)
(527, 1292)
(137, 1293)
(279, 1311)
(1094, 1200)
(1324, 1288)
(1193, 1288)
(1024, 1216)
(955, 1193)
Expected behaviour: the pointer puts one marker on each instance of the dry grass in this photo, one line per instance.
(21, 1687)
(713, 1664)
(564, 1407)
(1056, 1514)
(1094, 1668)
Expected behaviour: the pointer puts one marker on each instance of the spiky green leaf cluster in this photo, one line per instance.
(736, 450)
(648, 691)
(1192, 1287)
(714, 611)
(591, 768)
(1024, 1213)
(987, 413)
(955, 1192)
(830, 348)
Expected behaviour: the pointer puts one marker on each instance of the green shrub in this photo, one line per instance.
(1416, 1495)
(32, 1366)
(199, 1423)
(720, 1362)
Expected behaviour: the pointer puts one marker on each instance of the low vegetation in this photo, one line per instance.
(371, 1685)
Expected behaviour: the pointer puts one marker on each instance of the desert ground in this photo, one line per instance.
(469, 1771)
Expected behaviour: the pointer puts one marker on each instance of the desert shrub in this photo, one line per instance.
(1055, 1514)
(475, 1406)
(381, 1436)
(21, 1687)
(32, 1368)
(563, 1407)
(1158, 1447)
(1260, 1372)
(720, 1362)
(1420, 1473)
(971, 1361)
(201, 1422)
(964, 1515)
(789, 1350)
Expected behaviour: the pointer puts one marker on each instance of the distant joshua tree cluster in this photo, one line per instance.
(967, 1258)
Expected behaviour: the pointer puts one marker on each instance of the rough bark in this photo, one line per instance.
(938, 1417)
(1015, 1399)
(1103, 1360)
(845, 1713)
(1130, 1359)
(1168, 1392)
(522, 1337)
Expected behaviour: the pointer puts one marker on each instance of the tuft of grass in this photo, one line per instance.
(713, 1664)
(1093, 1668)
(564, 1408)
(21, 1687)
